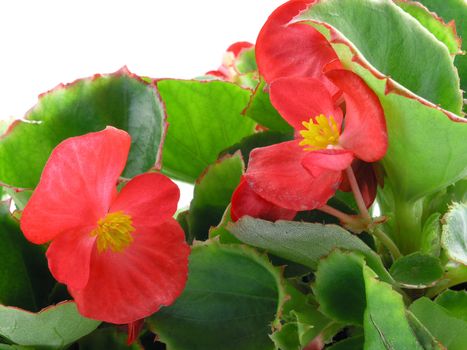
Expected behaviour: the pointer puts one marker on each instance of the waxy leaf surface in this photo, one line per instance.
(396, 45)
(120, 99)
(54, 327)
(230, 302)
(454, 236)
(204, 118)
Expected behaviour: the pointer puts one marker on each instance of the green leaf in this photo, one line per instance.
(183, 218)
(454, 236)
(454, 11)
(416, 270)
(437, 156)
(303, 243)
(455, 302)
(385, 324)
(442, 31)
(120, 99)
(450, 331)
(54, 327)
(431, 235)
(221, 232)
(212, 194)
(424, 337)
(261, 110)
(246, 61)
(339, 287)
(107, 338)
(302, 322)
(204, 118)
(353, 343)
(230, 301)
(25, 280)
(396, 45)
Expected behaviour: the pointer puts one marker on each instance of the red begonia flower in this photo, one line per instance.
(246, 202)
(366, 179)
(227, 70)
(304, 174)
(121, 254)
(293, 50)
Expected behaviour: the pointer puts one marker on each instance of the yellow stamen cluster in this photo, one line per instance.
(114, 232)
(319, 133)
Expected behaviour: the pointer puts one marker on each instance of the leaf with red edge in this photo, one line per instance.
(205, 118)
(120, 99)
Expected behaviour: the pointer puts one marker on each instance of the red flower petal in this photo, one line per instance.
(246, 202)
(127, 286)
(365, 126)
(237, 47)
(276, 174)
(77, 184)
(69, 257)
(297, 50)
(299, 99)
(317, 162)
(149, 199)
(366, 179)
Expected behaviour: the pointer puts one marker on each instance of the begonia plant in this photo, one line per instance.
(329, 209)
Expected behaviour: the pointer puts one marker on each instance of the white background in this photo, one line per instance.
(46, 42)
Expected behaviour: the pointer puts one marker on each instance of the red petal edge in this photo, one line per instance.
(246, 202)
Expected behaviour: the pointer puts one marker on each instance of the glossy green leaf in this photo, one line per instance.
(450, 331)
(302, 321)
(426, 144)
(120, 99)
(416, 270)
(442, 31)
(25, 280)
(303, 243)
(339, 287)
(454, 236)
(431, 235)
(424, 337)
(455, 11)
(385, 323)
(54, 327)
(261, 110)
(455, 302)
(396, 45)
(204, 118)
(212, 194)
(231, 301)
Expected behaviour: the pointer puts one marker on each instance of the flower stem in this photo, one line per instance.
(387, 242)
(343, 217)
(357, 194)
(364, 213)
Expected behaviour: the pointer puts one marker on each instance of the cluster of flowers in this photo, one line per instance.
(121, 253)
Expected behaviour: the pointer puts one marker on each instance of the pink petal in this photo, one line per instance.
(277, 175)
(297, 50)
(131, 285)
(246, 202)
(317, 162)
(365, 126)
(69, 256)
(77, 184)
(299, 99)
(149, 199)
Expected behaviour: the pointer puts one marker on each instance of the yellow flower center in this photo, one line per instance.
(319, 133)
(114, 231)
